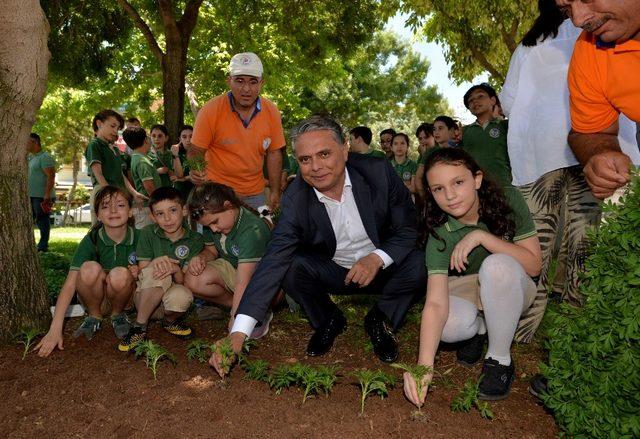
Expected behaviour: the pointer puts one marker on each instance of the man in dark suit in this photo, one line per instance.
(348, 226)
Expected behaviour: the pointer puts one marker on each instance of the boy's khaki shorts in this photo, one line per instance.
(468, 288)
(226, 271)
(176, 297)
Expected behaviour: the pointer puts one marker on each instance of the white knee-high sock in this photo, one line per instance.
(463, 321)
(502, 288)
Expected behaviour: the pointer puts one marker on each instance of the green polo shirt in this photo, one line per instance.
(488, 146)
(186, 186)
(376, 153)
(142, 169)
(161, 159)
(37, 179)
(438, 253)
(153, 243)
(99, 151)
(246, 242)
(97, 246)
(405, 170)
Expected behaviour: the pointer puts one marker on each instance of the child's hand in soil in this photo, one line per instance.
(49, 343)
(411, 388)
(237, 340)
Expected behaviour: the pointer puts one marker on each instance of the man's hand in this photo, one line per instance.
(237, 340)
(607, 171)
(462, 249)
(198, 178)
(274, 200)
(164, 266)
(365, 270)
(196, 265)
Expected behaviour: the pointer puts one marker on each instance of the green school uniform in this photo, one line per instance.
(99, 151)
(37, 179)
(488, 146)
(376, 153)
(161, 159)
(97, 246)
(153, 243)
(142, 169)
(405, 170)
(438, 253)
(186, 186)
(246, 242)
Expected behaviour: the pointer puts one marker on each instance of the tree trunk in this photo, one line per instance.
(72, 192)
(174, 66)
(23, 74)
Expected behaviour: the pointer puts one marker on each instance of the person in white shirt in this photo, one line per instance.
(535, 98)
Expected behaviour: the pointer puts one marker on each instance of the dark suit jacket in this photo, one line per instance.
(386, 210)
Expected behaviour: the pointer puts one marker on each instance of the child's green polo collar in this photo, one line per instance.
(128, 237)
(489, 122)
(453, 225)
(235, 227)
(157, 230)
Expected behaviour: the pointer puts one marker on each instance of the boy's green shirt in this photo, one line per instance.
(246, 242)
(488, 146)
(142, 169)
(162, 159)
(105, 251)
(109, 157)
(153, 243)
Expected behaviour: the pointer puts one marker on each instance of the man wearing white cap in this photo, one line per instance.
(238, 131)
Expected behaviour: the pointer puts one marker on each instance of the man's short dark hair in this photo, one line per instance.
(388, 131)
(103, 115)
(165, 193)
(317, 122)
(484, 87)
(134, 137)
(425, 127)
(35, 137)
(363, 132)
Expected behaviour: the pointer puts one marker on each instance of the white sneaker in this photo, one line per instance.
(262, 328)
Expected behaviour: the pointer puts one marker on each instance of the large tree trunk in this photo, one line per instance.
(23, 74)
(173, 75)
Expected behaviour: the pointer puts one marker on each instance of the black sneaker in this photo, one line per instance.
(538, 385)
(135, 335)
(470, 351)
(177, 328)
(496, 380)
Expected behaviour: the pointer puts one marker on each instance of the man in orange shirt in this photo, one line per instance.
(603, 83)
(238, 131)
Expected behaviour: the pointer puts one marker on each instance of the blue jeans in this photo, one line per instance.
(43, 222)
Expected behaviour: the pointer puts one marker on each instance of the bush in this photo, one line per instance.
(594, 352)
(55, 266)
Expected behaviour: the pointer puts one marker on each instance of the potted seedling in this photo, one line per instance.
(199, 349)
(373, 382)
(27, 336)
(153, 353)
(257, 370)
(468, 398)
(417, 372)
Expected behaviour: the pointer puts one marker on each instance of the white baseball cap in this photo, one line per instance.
(246, 63)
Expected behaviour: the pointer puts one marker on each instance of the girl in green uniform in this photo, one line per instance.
(103, 271)
(481, 254)
(238, 237)
(161, 156)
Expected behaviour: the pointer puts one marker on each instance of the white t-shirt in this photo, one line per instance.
(535, 98)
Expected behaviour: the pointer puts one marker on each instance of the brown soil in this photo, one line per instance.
(92, 390)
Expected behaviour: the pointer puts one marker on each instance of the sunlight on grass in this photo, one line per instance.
(64, 233)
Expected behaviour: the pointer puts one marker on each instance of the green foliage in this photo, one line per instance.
(199, 349)
(257, 370)
(467, 398)
(418, 372)
(55, 266)
(314, 380)
(282, 377)
(197, 163)
(227, 356)
(374, 382)
(27, 336)
(153, 353)
(593, 369)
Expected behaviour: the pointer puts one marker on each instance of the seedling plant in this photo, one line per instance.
(315, 380)
(153, 353)
(197, 163)
(417, 372)
(27, 336)
(227, 356)
(374, 382)
(199, 350)
(468, 398)
(282, 377)
(257, 370)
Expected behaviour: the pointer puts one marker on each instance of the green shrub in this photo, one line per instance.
(55, 266)
(594, 351)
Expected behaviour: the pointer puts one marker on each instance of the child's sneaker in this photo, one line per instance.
(88, 328)
(177, 328)
(135, 335)
(496, 380)
(261, 329)
(120, 324)
(470, 351)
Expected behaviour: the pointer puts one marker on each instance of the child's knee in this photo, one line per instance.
(178, 298)
(500, 268)
(462, 322)
(120, 279)
(90, 272)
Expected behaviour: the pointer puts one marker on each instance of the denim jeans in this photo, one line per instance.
(43, 221)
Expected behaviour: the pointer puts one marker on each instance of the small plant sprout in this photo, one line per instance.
(199, 350)
(153, 354)
(257, 370)
(313, 380)
(373, 382)
(417, 372)
(227, 356)
(27, 336)
(282, 377)
(468, 397)
(197, 163)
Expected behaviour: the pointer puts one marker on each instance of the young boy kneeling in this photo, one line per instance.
(164, 250)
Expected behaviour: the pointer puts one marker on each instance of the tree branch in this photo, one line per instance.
(144, 28)
(190, 17)
(168, 19)
(479, 56)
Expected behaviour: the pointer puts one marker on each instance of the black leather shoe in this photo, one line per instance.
(379, 330)
(321, 341)
(470, 351)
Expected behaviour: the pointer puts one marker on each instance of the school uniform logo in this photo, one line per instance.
(235, 250)
(133, 258)
(406, 175)
(266, 142)
(182, 251)
(494, 133)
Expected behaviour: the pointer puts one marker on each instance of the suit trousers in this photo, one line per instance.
(311, 278)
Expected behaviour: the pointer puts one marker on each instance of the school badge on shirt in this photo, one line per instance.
(182, 251)
(406, 175)
(133, 258)
(494, 133)
(235, 250)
